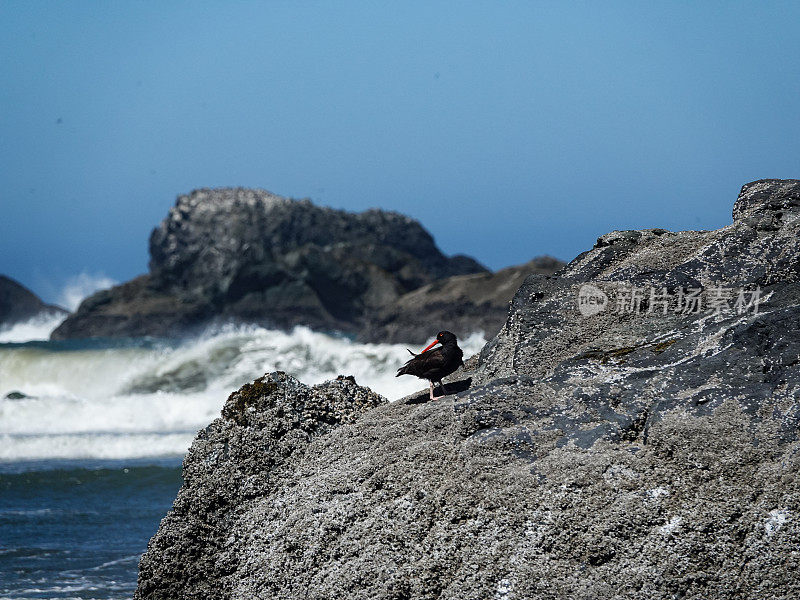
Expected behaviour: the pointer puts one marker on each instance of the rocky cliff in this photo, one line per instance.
(630, 433)
(18, 303)
(248, 255)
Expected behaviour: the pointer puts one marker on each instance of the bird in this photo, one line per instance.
(434, 365)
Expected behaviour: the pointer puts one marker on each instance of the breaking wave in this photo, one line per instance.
(37, 328)
(145, 398)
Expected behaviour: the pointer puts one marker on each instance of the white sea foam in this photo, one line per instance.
(35, 329)
(93, 445)
(149, 400)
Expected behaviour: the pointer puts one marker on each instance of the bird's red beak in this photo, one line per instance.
(431, 345)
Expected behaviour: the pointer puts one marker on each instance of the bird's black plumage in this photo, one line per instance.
(434, 365)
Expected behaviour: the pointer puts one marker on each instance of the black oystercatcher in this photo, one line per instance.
(436, 364)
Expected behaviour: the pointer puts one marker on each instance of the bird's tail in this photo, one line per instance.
(402, 370)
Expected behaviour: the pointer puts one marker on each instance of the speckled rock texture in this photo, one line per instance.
(237, 254)
(631, 448)
(240, 459)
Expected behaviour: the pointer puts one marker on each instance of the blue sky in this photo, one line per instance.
(509, 129)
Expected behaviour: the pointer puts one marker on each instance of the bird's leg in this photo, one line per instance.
(431, 384)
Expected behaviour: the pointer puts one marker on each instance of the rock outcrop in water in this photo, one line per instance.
(464, 303)
(18, 303)
(248, 255)
(616, 440)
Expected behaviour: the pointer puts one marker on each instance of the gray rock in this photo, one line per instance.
(18, 303)
(248, 255)
(263, 435)
(464, 303)
(619, 454)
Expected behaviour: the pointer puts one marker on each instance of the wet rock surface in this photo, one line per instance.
(638, 450)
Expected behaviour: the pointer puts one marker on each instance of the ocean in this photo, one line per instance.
(92, 433)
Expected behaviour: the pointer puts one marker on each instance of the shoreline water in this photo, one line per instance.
(76, 528)
(94, 432)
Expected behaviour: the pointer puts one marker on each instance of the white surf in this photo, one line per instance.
(148, 399)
